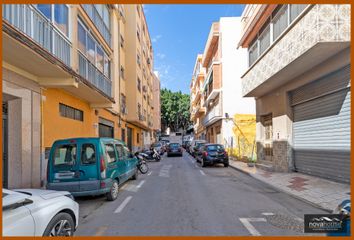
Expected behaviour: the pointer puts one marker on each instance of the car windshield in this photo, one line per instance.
(215, 148)
(199, 144)
(174, 145)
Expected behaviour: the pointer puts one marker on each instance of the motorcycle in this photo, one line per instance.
(151, 155)
(142, 164)
(344, 210)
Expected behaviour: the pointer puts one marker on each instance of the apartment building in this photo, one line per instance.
(140, 75)
(63, 76)
(299, 73)
(156, 105)
(217, 94)
(197, 107)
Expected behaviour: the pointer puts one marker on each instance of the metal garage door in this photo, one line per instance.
(321, 127)
(105, 128)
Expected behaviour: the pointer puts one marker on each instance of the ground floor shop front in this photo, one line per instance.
(304, 125)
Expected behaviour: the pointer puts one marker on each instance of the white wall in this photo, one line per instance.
(234, 64)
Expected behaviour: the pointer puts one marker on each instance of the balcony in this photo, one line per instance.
(213, 116)
(212, 42)
(94, 76)
(319, 33)
(97, 20)
(33, 46)
(29, 21)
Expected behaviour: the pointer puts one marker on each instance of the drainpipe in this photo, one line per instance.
(42, 149)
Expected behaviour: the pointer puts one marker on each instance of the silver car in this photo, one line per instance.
(36, 212)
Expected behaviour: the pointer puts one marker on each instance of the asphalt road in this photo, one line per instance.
(180, 198)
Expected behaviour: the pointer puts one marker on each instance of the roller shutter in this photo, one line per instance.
(321, 126)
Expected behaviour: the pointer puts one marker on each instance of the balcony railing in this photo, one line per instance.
(98, 22)
(213, 115)
(94, 76)
(27, 19)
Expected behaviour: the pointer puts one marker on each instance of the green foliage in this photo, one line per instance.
(175, 109)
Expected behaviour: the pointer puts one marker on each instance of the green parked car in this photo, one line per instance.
(90, 166)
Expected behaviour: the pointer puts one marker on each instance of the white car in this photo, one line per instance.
(36, 212)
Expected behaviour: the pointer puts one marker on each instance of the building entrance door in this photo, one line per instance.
(130, 138)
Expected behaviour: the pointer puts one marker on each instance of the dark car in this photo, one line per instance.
(210, 154)
(198, 151)
(174, 149)
(185, 144)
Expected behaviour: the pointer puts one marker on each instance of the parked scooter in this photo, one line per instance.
(151, 155)
(344, 210)
(142, 164)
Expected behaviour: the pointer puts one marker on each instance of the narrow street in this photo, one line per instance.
(179, 197)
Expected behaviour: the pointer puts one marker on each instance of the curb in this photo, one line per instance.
(283, 191)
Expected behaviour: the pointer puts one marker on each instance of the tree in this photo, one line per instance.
(175, 109)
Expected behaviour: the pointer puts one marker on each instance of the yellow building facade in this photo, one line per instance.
(66, 75)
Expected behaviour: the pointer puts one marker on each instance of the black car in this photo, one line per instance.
(174, 149)
(185, 144)
(210, 154)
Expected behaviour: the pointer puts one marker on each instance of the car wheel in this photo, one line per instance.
(113, 192)
(226, 164)
(135, 176)
(61, 224)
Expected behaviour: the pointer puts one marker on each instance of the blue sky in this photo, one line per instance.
(178, 34)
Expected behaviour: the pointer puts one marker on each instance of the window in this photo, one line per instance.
(295, 10)
(139, 84)
(120, 151)
(122, 72)
(280, 19)
(123, 134)
(138, 32)
(107, 67)
(70, 112)
(123, 103)
(280, 22)
(126, 152)
(268, 134)
(138, 59)
(65, 155)
(99, 61)
(46, 9)
(103, 11)
(264, 39)
(61, 17)
(137, 138)
(110, 153)
(253, 53)
(121, 41)
(58, 14)
(82, 38)
(93, 51)
(88, 155)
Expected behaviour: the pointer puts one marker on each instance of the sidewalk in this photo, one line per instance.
(321, 192)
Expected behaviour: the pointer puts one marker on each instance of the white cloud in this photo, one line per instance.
(160, 55)
(156, 38)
